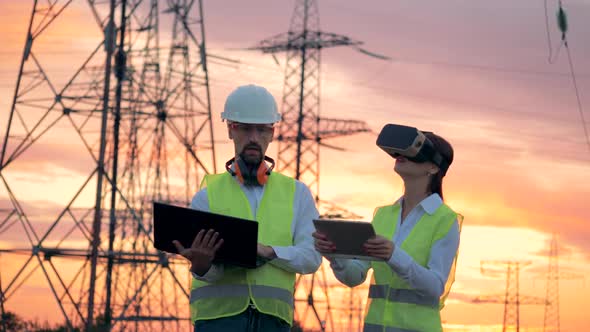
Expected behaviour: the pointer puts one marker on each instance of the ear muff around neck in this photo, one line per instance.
(248, 176)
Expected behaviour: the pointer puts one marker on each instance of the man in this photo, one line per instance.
(229, 298)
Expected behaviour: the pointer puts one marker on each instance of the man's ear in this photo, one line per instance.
(229, 133)
(273, 134)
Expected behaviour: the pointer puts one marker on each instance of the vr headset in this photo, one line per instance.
(398, 140)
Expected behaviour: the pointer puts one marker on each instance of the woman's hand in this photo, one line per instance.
(379, 247)
(322, 244)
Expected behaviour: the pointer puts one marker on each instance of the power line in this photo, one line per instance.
(385, 110)
(387, 89)
(550, 58)
(466, 66)
(430, 98)
(578, 100)
(389, 110)
(581, 111)
(499, 132)
(563, 25)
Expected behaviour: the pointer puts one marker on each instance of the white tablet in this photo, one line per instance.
(347, 236)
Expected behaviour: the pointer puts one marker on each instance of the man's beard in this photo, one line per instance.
(252, 161)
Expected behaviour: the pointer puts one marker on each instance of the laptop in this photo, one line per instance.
(240, 236)
(348, 237)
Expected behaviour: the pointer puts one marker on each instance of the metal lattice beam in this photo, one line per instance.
(139, 108)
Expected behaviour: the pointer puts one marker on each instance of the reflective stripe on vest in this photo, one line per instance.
(381, 328)
(402, 295)
(258, 291)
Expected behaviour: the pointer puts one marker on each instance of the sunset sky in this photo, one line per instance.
(475, 72)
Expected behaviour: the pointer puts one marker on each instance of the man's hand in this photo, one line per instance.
(202, 252)
(379, 247)
(266, 251)
(322, 244)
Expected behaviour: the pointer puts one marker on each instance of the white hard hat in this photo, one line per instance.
(251, 104)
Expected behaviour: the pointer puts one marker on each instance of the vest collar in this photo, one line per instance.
(430, 204)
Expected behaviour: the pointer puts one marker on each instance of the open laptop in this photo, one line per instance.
(348, 237)
(240, 236)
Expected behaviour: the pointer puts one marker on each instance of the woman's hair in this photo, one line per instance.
(446, 150)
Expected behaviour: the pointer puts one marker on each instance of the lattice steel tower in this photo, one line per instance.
(512, 298)
(551, 320)
(302, 129)
(551, 314)
(138, 108)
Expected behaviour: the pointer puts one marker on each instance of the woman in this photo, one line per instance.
(415, 250)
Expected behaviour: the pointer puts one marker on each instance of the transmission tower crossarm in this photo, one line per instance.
(528, 299)
(500, 266)
(505, 262)
(330, 128)
(341, 127)
(495, 298)
(306, 39)
(333, 211)
(501, 298)
(569, 275)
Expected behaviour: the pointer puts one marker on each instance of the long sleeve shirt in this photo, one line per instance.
(301, 257)
(429, 280)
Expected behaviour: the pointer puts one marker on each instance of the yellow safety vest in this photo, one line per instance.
(393, 305)
(268, 287)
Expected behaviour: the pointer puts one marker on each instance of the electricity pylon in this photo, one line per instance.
(551, 315)
(512, 298)
(551, 320)
(138, 110)
(302, 129)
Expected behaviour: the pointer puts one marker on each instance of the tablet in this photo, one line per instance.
(240, 236)
(348, 237)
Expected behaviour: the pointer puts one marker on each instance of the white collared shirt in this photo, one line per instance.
(429, 280)
(301, 257)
